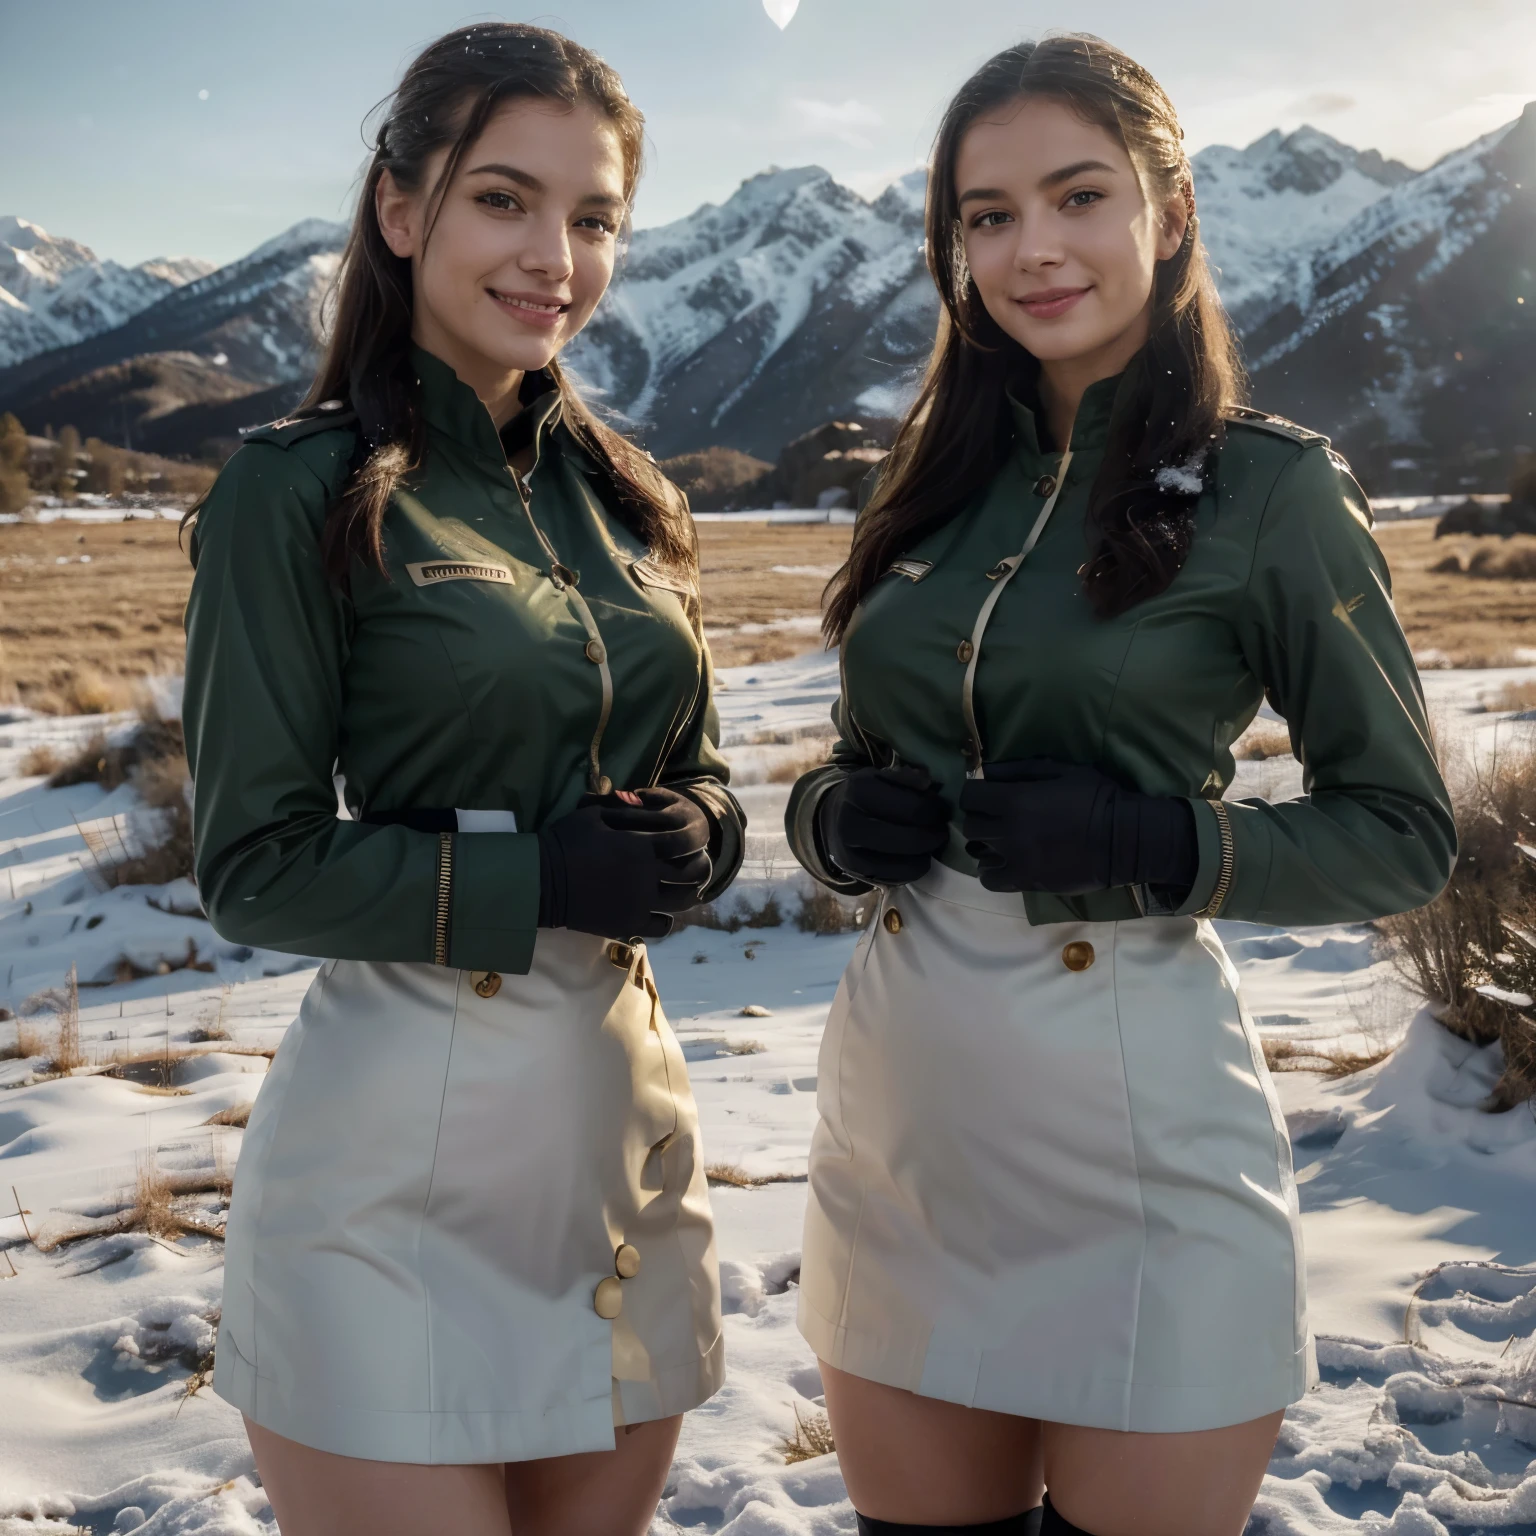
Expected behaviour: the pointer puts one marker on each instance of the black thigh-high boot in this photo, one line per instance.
(1054, 1523)
(1027, 1524)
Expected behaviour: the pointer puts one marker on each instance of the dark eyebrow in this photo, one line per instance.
(524, 179)
(1053, 179)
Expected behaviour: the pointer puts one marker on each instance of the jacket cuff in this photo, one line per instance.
(494, 909)
(805, 839)
(728, 839)
(1208, 839)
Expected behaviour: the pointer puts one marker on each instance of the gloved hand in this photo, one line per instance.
(1040, 825)
(883, 825)
(620, 865)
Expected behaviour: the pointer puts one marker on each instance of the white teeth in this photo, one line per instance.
(542, 309)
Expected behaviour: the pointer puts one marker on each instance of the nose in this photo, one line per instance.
(548, 249)
(1038, 247)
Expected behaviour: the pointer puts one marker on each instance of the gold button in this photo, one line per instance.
(1078, 955)
(892, 921)
(621, 954)
(1045, 485)
(965, 650)
(608, 1298)
(626, 1262)
(604, 785)
(563, 575)
(595, 651)
(486, 983)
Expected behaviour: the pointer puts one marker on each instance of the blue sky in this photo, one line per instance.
(109, 137)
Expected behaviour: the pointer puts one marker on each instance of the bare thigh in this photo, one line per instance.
(314, 1493)
(598, 1493)
(1202, 1483)
(918, 1461)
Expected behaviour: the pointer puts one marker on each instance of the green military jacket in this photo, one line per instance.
(522, 650)
(1284, 592)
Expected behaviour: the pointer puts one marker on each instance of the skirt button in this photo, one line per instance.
(626, 1262)
(595, 651)
(964, 651)
(486, 983)
(1078, 955)
(892, 921)
(608, 1298)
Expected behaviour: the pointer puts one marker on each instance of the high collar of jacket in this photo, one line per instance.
(1090, 430)
(451, 407)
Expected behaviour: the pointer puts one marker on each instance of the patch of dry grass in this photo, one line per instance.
(1262, 740)
(1512, 696)
(237, 1115)
(62, 1005)
(28, 1043)
(824, 911)
(812, 1438)
(40, 761)
(787, 769)
(738, 1177)
(155, 1206)
(1326, 1058)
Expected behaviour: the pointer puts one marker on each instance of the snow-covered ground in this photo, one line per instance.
(1420, 1210)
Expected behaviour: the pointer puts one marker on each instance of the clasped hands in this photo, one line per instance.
(620, 865)
(1033, 824)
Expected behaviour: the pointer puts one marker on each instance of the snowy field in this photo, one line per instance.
(1420, 1211)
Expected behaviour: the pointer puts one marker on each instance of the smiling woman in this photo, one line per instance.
(447, 580)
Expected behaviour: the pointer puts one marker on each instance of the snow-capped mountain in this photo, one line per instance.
(1377, 304)
(1266, 208)
(749, 323)
(54, 291)
(1411, 334)
(246, 327)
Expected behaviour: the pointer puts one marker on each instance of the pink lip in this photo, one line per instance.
(543, 319)
(1050, 302)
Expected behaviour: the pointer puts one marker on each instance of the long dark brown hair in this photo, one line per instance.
(1169, 412)
(444, 101)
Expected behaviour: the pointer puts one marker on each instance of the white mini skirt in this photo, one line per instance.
(1051, 1176)
(470, 1221)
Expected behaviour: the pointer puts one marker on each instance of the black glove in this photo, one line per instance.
(620, 865)
(1039, 825)
(883, 825)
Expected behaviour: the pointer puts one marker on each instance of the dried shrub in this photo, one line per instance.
(1517, 564)
(1442, 950)
(1326, 1057)
(765, 913)
(812, 1438)
(155, 1206)
(237, 1115)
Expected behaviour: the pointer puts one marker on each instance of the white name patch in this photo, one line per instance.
(428, 573)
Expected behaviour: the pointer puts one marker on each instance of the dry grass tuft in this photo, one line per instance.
(787, 769)
(39, 761)
(28, 1043)
(743, 1048)
(738, 1177)
(237, 1115)
(1512, 696)
(1262, 740)
(152, 1207)
(1328, 1059)
(63, 1005)
(824, 911)
(812, 1438)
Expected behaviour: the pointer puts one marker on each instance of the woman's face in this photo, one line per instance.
(1060, 239)
(521, 247)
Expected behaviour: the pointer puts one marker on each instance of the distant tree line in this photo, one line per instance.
(60, 465)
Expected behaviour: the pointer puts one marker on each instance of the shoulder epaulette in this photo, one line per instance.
(1262, 421)
(328, 416)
